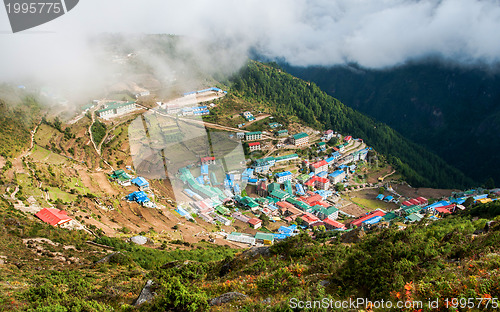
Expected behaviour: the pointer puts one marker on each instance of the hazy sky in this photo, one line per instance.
(373, 33)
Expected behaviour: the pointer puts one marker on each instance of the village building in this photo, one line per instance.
(253, 136)
(207, 160)
(337, 176)
(319, 183)
(240, 135)
(281, 133)
(114, 109)
(310, 220)
(255, 223)
(254, 146)
(248, 116)
(333, 225)
(262, 188)
(319, 166)
(121, 177)
(281, 177)
(264, 238)
(54, 217)
(300, 139)
(141, 183)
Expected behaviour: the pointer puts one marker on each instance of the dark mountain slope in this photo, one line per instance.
(453, 111)
(293, 96)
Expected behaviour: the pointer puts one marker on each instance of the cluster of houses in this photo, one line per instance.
(124, 179)
(415, 209)
(248, 116)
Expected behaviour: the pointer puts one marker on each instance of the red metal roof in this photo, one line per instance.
(422, 200)
(207, 158)
(414, 201)
(254, 144)
(254, 221)
(406, 203)
(348, 138)
(322, 203)
(309, 218)
(442, 210)
(311, 199)
(53, 216)
(320, 164)
(334, 223)
(372, 214)
(316, 178)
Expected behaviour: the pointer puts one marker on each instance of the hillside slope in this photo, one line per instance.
(290, 96)
(454, 112)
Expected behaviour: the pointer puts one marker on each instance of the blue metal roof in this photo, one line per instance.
(322, 174)
(380, 196)
(480, 196)
(336, 173)
(140, 181)
(204, 169)
(373, 220)
(283, 174)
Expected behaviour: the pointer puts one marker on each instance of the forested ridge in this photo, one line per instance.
(453, 111)
(292, 96)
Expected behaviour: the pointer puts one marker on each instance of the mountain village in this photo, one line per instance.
(280, 193)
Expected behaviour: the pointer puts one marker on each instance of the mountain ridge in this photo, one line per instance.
(453, 111)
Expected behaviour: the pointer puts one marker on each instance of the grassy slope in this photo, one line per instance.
(441, 260)
(18, 115)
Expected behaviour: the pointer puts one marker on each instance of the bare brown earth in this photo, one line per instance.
(428, 193)
(354, 210)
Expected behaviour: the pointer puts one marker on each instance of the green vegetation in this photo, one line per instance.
(450, 106)
(17, 119)
(149, 258)
(291, 96)
(98, 131)
(441, 259)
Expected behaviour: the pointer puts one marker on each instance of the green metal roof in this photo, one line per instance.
(390, 216)
(272, 199)
(412, 209)
(120, 175)
(114, 105)
(252, 133)
(299, 204)
(248, 201)
(222, 210)
(303, 178)
(415, 217)
(325, 211)
(279, 194)
(264, 236)
(273, 186)
(284, 157)
(300, 135)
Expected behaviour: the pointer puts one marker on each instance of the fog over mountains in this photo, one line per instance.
(372, 34)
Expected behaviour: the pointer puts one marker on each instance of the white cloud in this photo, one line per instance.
(373, 33)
